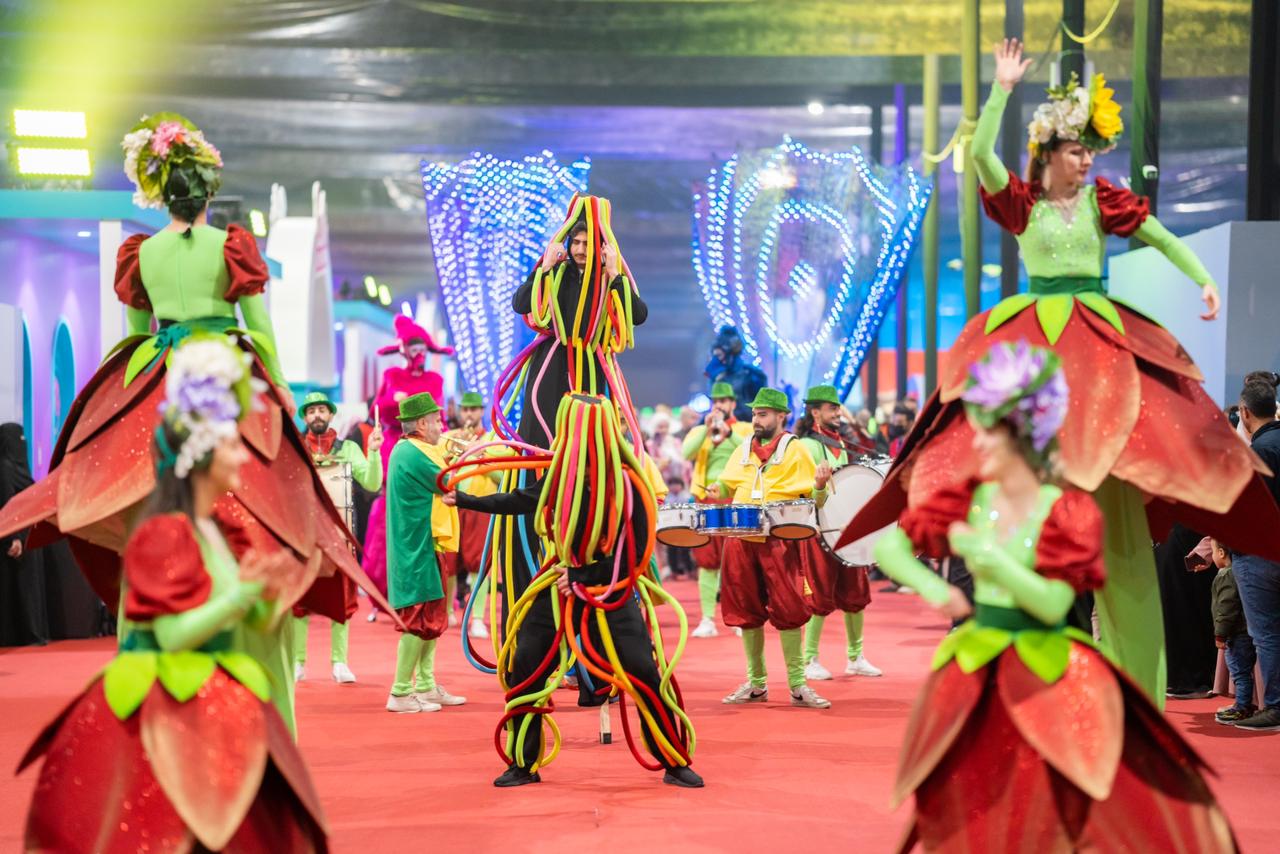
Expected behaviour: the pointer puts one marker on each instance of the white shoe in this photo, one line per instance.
(747, 693)
(861, 667)
(373, 617)
(705, 629)
(406, 705)
(815, 672)
(438, 697)
(453, 619)
(299, 672)
(807, 697)
(477, 629)
(342, 674)
(737, 630)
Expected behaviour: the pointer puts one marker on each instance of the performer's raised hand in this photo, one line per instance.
(610, 260)
(375, 438)
(1010, 66)
(554, 254)
(1212, 301)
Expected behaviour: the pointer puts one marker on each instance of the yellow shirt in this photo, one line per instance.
(444, 519)
(787, 475)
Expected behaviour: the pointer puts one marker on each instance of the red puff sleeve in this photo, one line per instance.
(129, 289)
(248, 271)
(1121, 211)
(163, 569)
(1011, 207)
(1070, 547)
(926, 524)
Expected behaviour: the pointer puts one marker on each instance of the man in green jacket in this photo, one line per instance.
(708, 447)
(327, 450)
(414, 581)
(832, 585)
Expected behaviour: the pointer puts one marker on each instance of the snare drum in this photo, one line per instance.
(791, 520)
(731, 520)
(678, 526)
(337, 482)
(852, 486)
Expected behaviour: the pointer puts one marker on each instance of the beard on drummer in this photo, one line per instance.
(472, 418)
(317, 418)
(766, 424)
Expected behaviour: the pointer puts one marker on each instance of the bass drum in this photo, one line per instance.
(851, 488)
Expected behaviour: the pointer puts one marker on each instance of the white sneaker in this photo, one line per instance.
(861, 667)
(815, 672)
(737, 630)
(453, 620)
(747, 693)
(705, 629)
(807, 697)
(438, 697)
(342, 674)
(373, 617)
(406, 705)
(299, 672)
(477, 629)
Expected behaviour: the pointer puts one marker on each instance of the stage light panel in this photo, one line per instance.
(384, 294)
(50, 124)
(371, 287)
(54, 162)
(258, 223)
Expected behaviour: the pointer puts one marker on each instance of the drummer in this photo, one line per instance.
(321, 441)
(708, 447)
(763, 579)
(832, 586)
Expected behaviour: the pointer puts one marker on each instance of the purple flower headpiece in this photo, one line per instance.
(1023, 386)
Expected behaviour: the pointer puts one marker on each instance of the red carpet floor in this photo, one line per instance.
(778, 778)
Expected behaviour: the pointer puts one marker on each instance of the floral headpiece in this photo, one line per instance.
(1089, 116)
(208, 389)
(1022, 386)
(158, 146)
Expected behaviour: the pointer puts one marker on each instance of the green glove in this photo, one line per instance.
(192, 628)
(895, 554)
(1048, 600)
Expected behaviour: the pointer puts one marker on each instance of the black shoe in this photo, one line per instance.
(1267, 720)
(682, 776)
(1188, 693)
(516, 776)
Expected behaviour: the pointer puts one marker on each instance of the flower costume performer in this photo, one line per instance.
(1131, 379)
(189, 278)
(178, 743)
(398, 382)
(1026, 738)
(593, 600)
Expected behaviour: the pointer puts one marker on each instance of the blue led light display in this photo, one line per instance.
(804, 251)
(489, 220)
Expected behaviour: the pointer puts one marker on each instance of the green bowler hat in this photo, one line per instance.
(417, 405)
(471, 400)
(822, 394)
(770, 398)
(723, 391)
(319, 398)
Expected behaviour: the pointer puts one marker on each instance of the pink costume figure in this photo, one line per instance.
(413, 342)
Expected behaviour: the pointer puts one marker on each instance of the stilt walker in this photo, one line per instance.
(1026, 738)
(346, 460)
(1141, 435)
(764, 577)
(708, 447)
(414, 520)
(832, 586)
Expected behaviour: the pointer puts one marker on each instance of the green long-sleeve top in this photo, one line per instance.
(709, 457)
(1051, 246)
(206, 275)
(366, 469)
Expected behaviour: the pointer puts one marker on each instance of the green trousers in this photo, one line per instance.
(708, 590)
(852, 633)
(415, 666)
(753, 643)
(338, 635)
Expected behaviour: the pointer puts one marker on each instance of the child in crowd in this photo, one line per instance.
(1232, 636)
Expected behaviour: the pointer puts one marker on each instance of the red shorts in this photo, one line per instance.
(448, 562)
(763, 582)
(427, 620)
(333, 597)
(832, 586)
(708, 556)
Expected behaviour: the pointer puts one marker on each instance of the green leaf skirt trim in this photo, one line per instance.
(129, 677)
(1045, 652)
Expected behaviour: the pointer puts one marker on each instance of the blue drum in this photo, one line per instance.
(732, 520)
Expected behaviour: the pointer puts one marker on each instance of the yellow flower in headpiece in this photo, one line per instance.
(1104, 111)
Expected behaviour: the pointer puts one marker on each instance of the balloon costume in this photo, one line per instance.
(178, 742)
(188, 282)
(1141, 434)
(593, 511)
(1026, 738)
(398, 382)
